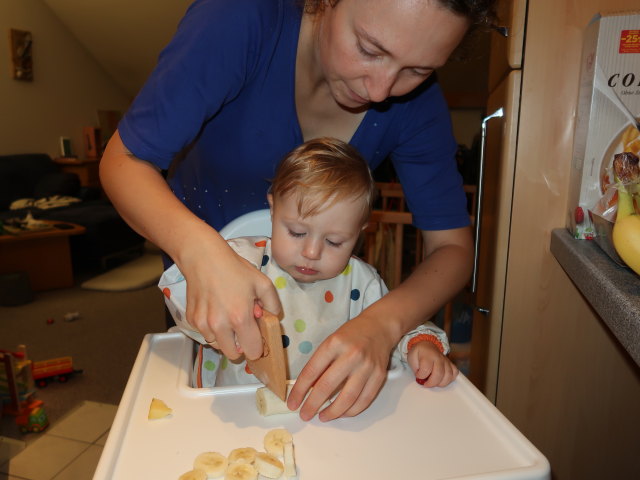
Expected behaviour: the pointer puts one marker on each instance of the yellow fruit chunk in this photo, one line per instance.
(158, 409)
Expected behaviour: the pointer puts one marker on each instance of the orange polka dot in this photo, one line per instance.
(247, 369)
(167, 292)
(261, 243)
(328, 296)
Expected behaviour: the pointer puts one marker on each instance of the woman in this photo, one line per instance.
(244, 82)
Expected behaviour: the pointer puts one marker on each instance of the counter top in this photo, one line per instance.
(613, 291)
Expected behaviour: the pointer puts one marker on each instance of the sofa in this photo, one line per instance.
(37, 176)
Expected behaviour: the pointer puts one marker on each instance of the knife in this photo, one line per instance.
(271, 368)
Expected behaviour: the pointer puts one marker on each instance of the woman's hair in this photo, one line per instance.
(321, 172)
(478, 12)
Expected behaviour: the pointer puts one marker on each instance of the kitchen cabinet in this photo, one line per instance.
(542, 353)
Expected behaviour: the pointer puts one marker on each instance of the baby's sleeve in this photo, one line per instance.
(427, 328)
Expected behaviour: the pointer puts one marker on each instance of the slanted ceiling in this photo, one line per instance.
(124, 36)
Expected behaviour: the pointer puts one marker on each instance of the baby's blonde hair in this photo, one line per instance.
(321, 172)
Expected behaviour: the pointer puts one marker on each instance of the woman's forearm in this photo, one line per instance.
(443, 273)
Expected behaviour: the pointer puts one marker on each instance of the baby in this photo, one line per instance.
(320, 201)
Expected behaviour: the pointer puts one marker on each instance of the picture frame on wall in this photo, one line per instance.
(21, 42)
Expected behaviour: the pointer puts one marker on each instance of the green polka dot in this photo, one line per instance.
(300, 325)
(209, 365)
(347, 269)
(224, 363)
(280, 282)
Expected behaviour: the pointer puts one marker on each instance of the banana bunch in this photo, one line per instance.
(247, 463)
(626, 230)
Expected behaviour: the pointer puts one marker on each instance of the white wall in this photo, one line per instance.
(68, 86)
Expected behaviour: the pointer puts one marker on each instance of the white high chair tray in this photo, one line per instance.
(408, 432)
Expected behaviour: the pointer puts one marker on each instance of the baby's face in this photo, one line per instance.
(317, 247)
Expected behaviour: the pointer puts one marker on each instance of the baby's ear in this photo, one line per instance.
(270, 200)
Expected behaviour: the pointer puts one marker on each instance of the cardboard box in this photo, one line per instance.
(608, 98)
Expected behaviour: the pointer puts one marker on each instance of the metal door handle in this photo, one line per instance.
(478, 216)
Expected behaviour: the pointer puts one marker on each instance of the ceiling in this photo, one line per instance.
(124, 36)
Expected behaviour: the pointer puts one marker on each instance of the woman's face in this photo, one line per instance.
(370, 50)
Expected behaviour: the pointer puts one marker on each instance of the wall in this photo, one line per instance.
(564, 380)
(68, 86)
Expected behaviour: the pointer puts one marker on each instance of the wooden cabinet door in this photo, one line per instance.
(507, 43)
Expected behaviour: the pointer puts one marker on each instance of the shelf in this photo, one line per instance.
(613, 291)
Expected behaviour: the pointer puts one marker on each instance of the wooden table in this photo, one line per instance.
(44, 255)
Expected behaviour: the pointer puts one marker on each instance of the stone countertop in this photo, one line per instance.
(613, 291)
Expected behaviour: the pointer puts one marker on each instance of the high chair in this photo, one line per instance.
(256, 223)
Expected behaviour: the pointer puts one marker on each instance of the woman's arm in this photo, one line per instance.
(355, 357)
(222, 286)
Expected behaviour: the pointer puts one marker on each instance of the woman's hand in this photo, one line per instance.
(225, 293)
(354, 360)
(223, 288)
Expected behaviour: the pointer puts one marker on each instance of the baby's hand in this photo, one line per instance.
(431, 368)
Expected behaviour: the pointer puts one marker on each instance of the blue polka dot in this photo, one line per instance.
(285, 341)
(265, 260)
(305, 347)
(355, 294)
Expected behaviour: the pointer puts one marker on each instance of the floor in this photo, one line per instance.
(68, 450)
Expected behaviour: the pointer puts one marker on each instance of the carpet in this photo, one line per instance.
(139, 273)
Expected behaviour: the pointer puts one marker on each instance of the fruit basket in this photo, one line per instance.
(452, 432)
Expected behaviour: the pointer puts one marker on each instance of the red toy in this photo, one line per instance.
(60, 369)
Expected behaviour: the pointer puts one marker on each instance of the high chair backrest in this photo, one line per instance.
(256, 223)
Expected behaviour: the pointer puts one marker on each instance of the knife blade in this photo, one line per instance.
(271, 368)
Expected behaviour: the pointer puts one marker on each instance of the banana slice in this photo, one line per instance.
(194, 475)
(241, 471)
(269, 403)
(213, 463)
(289, 461)
(275, 440)
(268, 465)
(158, 409)
(242, 455)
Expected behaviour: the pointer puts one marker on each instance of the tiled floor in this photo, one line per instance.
(68, 450)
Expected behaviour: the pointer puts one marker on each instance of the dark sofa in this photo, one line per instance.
(37, 176)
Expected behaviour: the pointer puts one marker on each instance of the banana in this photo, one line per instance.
(626, 230)
(158, 409)
(275, 440)
(268, 403)
(242, 455)
(213, 463)
(241, 471)
(194, 475)
(289, 461)
(268, 465)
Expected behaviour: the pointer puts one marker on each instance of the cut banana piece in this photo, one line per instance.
(213, 463)
(269, 403)
(194, 475)
(268, 465)
(275, 440)
(241, 471)
(242, 455)
(289, 461)
(158, 409)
